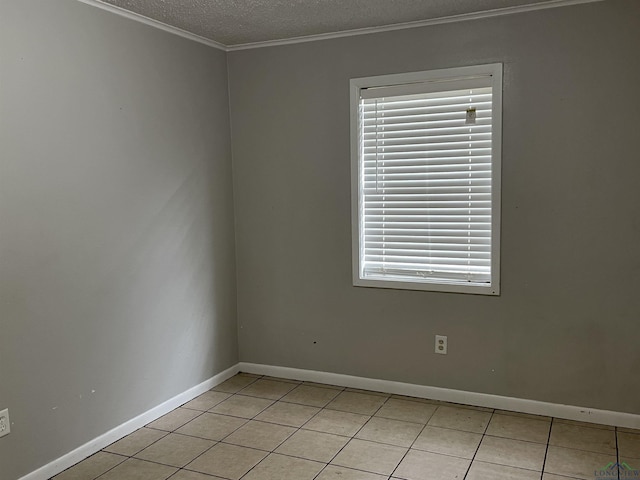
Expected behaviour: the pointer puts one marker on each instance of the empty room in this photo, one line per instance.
(319, 240)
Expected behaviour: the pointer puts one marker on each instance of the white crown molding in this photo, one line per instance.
(155, 23)
(60, 464)
(420, 23)
(346, 33)
(523, 405)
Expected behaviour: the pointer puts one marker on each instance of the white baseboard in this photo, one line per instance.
(569, 412)
(535, 407)
(97, 444)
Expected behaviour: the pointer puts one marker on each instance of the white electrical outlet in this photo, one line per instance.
(5, 425)
(441, 344)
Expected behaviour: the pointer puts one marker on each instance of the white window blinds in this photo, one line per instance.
(425, 182)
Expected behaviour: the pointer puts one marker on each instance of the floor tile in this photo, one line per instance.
(188, 475)
(468, 407)
(207, 400)
(323, 385)
(268, 389)
(418, 465)
(134, 469)
(355, 402)
(91, 467)
(630, 463)
(629, 444)
(318, 446)
(460, 419)
(310, 395)
(289, 414)
(367, 392)
(370, 456)
(583, 424)
(524, 415)
(551, 476)
(211, 426)
(407, 410)
(227, 461)
(513, 453)
(490, 471)
(416, 399)
(332, 472)
(519, 428)
(260, 435)
(629, 468)
(281, 467)
(340, 423)
(628, 430)
(174, 419)
(583, 438)
(136, 441)
(175, 450)
(575, 463)
(280, 379)
(235, 384)
(242, 406)
(393, 432)
(279, 429)
(448, 442)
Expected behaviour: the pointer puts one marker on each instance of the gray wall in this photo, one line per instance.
(117, 279)
(117, 259)
(565, 328)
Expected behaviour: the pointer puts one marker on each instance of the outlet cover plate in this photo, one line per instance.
(441, 344)
(5, 424)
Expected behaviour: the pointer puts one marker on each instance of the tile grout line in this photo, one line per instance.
(239, 392)
(352, 436)
(235, 430)
(103, 473)
(526, 441)
(276, 447)
(201, 413)
(193, 436)
(597, 452)
(133, 457)
(484, 434)
(274, 401)
(348, 438)
(326, 464)
(575, 423)
(415, 439)
(208, 411)
(546, 450)
(412, 443)
(297, 429)
(166, 434)
(129, 457)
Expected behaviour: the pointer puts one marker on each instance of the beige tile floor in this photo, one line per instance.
(260, 428)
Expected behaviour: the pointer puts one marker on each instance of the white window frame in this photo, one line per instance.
(403, 80)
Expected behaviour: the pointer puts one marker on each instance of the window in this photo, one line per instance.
(426, 180)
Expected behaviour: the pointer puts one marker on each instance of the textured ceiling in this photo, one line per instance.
(234, 22)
